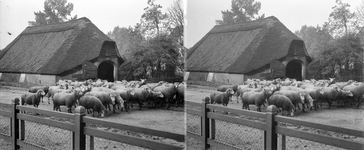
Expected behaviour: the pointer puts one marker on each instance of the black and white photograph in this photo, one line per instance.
(274, 74)
(181, 74)
(79, 74)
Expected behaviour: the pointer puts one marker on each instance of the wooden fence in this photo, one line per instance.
(79, 130)
(270, 128)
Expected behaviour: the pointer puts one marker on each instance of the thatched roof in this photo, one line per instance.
(240, 48)
(53, 49)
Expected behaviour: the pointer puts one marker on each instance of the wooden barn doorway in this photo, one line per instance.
(294, 70)
(105, 71)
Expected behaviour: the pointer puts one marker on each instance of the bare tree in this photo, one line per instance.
(176, 18)
(360, 12)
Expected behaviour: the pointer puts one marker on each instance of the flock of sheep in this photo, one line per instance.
(288, 94)
(101, 95)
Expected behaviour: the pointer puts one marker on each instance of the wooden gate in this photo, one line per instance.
(89, 70)
(278, 69)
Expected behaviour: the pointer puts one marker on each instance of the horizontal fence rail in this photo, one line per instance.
(169, 135)
(294, 121)
(129, 139)
(23, 121)
(269, 123)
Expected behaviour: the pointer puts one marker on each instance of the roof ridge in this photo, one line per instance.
(58, 27)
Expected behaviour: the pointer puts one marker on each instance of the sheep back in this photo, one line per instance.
(281, 101)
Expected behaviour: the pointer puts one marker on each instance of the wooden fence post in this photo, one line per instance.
(15, 124)
(205, 126)
(79, 138)
(270, 135)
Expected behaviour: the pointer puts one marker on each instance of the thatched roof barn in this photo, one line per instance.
(60, 49)
(247, 48)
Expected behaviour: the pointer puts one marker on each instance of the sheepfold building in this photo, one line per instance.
(263, 49)
(71, 50)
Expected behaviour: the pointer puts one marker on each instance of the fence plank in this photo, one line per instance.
(46, 112)
(92, 143)
(5, 113)
(54, 123)
(129, 139)
(241, 121)
(205, 126)
(270, 134)
(15, 125)
(193, 112)
(237, 111)
(294, 121)
(79, 138)
(29, 146)
(219, 145)
(343, 143)
(193, 135)
(174, 136)
(193, 103)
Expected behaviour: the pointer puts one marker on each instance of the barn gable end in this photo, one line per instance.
(58, 49)
(246, 49)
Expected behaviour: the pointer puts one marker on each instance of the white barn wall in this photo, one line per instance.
(40, 79)
(29, 78)
(228, 78)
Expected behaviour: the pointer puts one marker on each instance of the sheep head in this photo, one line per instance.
(102, 114)
(112, 96)
(302, 97)
(41, 92)
(230, 92)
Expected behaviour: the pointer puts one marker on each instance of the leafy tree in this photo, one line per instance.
(156, 58)
(343, 58)
(153, 20)
(155, 45)
(126, 40)
(315, 38)
(241, 11)
(341, 19)
(55, 11)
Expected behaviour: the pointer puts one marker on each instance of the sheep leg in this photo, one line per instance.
(359, 102)
(126, 106)
(167, 104)
(140, 105)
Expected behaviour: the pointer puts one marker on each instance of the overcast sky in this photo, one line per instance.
(105, 14)
(201, 14)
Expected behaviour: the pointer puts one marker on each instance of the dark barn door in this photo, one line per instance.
(278, 70)
(105, 71)
(89, 70)
(294, 70)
